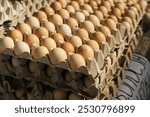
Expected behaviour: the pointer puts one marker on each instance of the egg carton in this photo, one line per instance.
(24, 66)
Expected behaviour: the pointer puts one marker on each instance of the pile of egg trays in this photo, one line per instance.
(90, 80)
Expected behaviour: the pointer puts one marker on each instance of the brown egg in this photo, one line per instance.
(5, 43)
(99, 14)
(63, 3)
(59, 94)
(31, 39)
(57, 55)
(116, 11)
(40, 52)
(80, 2)
(16, 35)
(56, 6)
(133, 8)
(21, 47)
(121, 6)
(83, 34)
(64, 29)
(93, 4)
(86, 51)
(94, 19)
(128, 19)
(48, 10)
(56, 19)
(24, 28)
(49, 43)
(143, 4)
(79, 16)
(32, 21)
(127, 25)
(68, 47)
(98, 1)
(85, 12)
(130, 13)
(76, 61)
(88, 8)
(89, 26)
(75, 5)
(105, 30)
(110, 23)
(70, 9)
(58, 38)
(72, 23)
(111, 2)
(64, 13)
(75, 41)
(93, 44)
(107, 5)
(99, 37)
(41, 15)
(49, 26)
(113, 17)
(41, 32)
(103, 10)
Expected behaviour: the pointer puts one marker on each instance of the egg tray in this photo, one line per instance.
(106, 89)
(17, 66)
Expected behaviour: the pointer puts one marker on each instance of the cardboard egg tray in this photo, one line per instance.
(94, 81)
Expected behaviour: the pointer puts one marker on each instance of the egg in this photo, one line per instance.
(5, 43)
(68, 47)
(88, 8)
(116, 11)
(79, 16)
(63, 3)
(58, 38)
(75, 41)
(89, 26)
(76, 61)
(107, 5)
(16, 35)
(83, 34)
(32, 21)
(21, 47)
(98, 1)
(103, 10)
(93, 4)
(59, 95)
(41, 32)
(110, 23)
(64, 13)
(94, 19)
(75, 5)
(99, 14)
(105, 30)
(111, 2)
(86, 51)
(64, 29)
(57, 55)
(128, 19)
(24, 28)
(143, 3)
(80, 2)
(56, 6)
(121, 6)
(49, 43)
(85, 12)
(48, 10)
(99, 37)
(93, 44)
(130, 13)
(41, 15)
(49, 26)
(56, 19)
(74, 96)
(127, 25)
(40, 52)
(73, 24)
(113, 17)
(70, 9)
(31, 39)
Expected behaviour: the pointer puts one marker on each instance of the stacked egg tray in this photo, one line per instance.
(91, 67)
